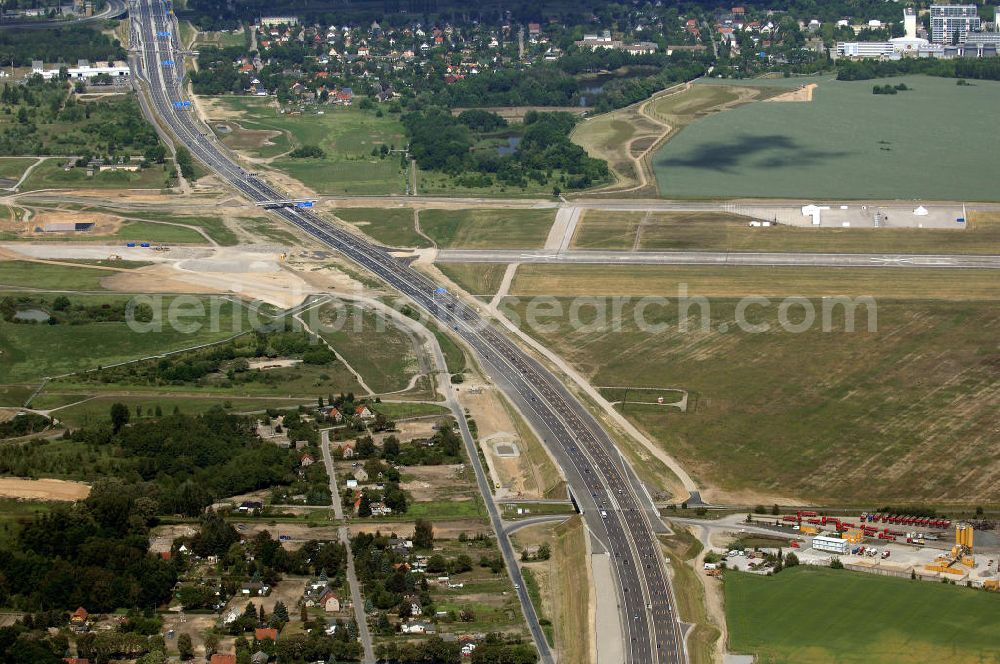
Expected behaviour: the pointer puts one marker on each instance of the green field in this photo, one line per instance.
(11, 168)
(453, 229)
(392, 227)
(181, 231)
(381, 353)
(31, 352)
(823, 416)
(25, 274)
(214, 226)
(739, 281)
(493, 229)
(396, 410)
(347, 135)
(475, 278)
(51, 175)
(805, 615)
(686, 231)
(820, 149)
(96, 410)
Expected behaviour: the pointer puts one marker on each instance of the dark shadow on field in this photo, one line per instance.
(748, 151)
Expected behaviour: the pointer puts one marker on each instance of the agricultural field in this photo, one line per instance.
(720, 231)
(480, 279)
(819, 416)
(494, 229)
(818, 149)
(657, 280)
(346, 135)
(780, 620)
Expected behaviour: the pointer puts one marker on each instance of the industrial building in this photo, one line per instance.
(83, 70)
(951, 19)
(831, 545)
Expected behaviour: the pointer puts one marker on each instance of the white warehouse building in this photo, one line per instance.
(831, 545)
(83, 70)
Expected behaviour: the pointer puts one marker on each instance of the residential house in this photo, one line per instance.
(307, 460)
(331, 411)
(76, 660)
(364, 412)
(78, 620)
(330, 602)
(250, 506)
(361, 475)
(262, 633)
(259, 657)
(413, 628)
(255, 589)
(220, 658)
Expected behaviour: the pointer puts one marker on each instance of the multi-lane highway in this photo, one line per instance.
(114, 9)
(618, 511)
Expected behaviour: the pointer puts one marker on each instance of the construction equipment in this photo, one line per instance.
(961, 553)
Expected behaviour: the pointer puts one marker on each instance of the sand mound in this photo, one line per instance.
(15, 487)
(804, 93)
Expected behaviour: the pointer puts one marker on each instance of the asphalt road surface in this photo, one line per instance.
(617, 510)
(772, 259)
(114, 9)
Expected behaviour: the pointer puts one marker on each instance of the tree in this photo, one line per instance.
(423, 534)
(544, 552)
(211, 644)
(119, 416)
(791, 560)
(279, 616)
(184, 646)
(184, 162)
(390, 448)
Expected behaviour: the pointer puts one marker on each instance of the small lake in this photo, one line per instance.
(36, 315)
(510, 148)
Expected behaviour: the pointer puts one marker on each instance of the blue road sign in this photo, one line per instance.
(304, 204)
(178, 104)
(439, 290)
(168, 63)
(162, 34)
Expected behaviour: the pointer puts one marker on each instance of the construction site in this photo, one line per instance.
(902, 545)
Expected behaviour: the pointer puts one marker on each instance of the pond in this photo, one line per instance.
(510, 148)
(36, 315)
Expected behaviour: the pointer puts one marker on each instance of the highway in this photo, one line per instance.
(732, 258)
(114, 9)
(617, 510)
